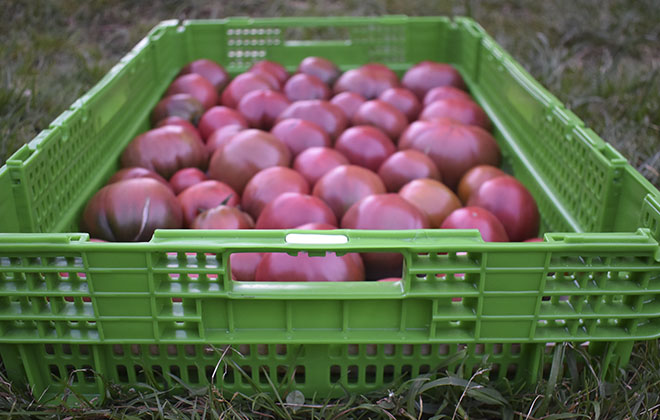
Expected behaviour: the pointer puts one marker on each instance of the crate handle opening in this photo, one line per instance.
(315, 239)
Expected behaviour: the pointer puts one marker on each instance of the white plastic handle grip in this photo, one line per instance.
(315, 239)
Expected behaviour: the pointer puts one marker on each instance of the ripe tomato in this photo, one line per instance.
(461, 110)
(210, 70)
(284, 267)
(405, 166)
(269, 183)
(382, 115)
(218, 117)
(197, 86)
(289, 210)
(221, 136)
(426, 75)
(348, 102)
(203, 196)
(320, 67)
(365, 146)
(432, 197)
(315, 162)
(489, 226)
(136, 172)
(445, 92)
(472, 180)
(244, 84)
(180, 122)
(186, 177)
(271, 67)
(222, 217)
(181, 105)
(403, 100)
(326, 115)
(262, 107)
(299, 135)
(243, 265)
(302, 86)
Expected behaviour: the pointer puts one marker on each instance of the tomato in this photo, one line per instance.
(454, 148)
(186, 177)
(326, 115)
(403, 100)
(426, 75)
(210, 70)
(262, 107)
(299, 135)
(343, 186)
(472, 180)
(180, 122)
(222, 217)
(268, 184)
(368, 82)
(461, 110)
(512, 204)
(382, 115)
(320, 67)
(271, 67)
(244, 84)
(197, 86)
(203, 196)
(432, 197)
(131, 210)
(165, 150)
(305, 86)
(405, 166)
(245, 154)
(243, 265)
(489, 226)
(365, 146)
(136, 172)
(316, 226)
(315, 162)
(384, 211)
(445, 92)
(181, 105)
(218, 117)
(289, 210)
(348, 102)
(381, 71)
(221, 136)
(284, 267)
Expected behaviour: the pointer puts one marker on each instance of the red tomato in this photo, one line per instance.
(403, 100)
(271, 67)
(326, 115)
(245, 154)
(299, 135)
(345, 185)
(432, 197)
(262, 107)
(222, 217)
(221, 136)
(289, 210)
(302, 267)
(348, 102)
(186, 177)
(368, 82)
(244, 265)
(461, 110)
(131, 210)
(316, 226)
(512, 204)
(315, 162)
(405, 166)
(472, 180)
(489, 226)
(269, 183)
(382, 115)
(305, 86)
(210, 70)
(197, 86)
(182, 105)
(382, 72)
(365, 146)
(136, 172)
(320, 67)
(203, 196)
(426, 75)
(445, 92)
(242, 85)
(218, 117)
(180, 122)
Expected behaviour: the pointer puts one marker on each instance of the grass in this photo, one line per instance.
(601, 58)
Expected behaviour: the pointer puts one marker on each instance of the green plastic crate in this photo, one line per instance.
(149, 312)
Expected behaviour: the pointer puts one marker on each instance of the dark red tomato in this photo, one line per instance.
(203, 196)
(262, 107)
(403, 100)
(305, 86)
(454, 148)
(186, 177)
(222, 136)
(136, 172)
(472, 180)
(197, 86)
(365, 146)
(432, 197)
(299, 135)
(276, 69)
(461, 110)
(405, 166)
(165, 150)
(348, 102)
(284, 267)
(382, 115)
(218, 117)
(244, 265)
(320, 67)
(345, 185)
(489, 226)
(180, 122)
(131, 210)
(384, 211)
(242, 85)
(426, 75)
(222, 217)
(326, 115)
(367, 82)
(445, 92)
(315, 162)
(289, 210)
(210, 70)
(382, 72)
(245, 154)
(316, 226)
(181, 105)
(269, 183)
(512, 204)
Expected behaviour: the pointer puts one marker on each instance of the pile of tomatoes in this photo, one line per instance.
(319, 149)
